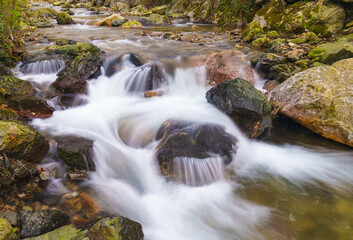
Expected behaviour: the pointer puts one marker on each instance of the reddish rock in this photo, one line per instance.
(31, 107)
(74, 205)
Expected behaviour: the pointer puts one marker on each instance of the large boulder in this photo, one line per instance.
(115, 65)
(321, 17)
(320, 99)
(44, 13)
(40, 222)
(224, 66)
(11, 86)
(183, 139)
(109, 20)
(6, 231)
(63, 233)
(329, 53)
(18, 139)
(64, 18)
(247, 106)
(73, 50)
(70, 84)
(30, 107)
(251, 30)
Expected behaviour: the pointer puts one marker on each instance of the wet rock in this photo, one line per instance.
(259, 43)
(224, 66)
(115, 65)
(11, 86)
(70, 84)
(8, 114)
(85, 66)
(10, 216)
(64, 18)
(89, 205)
(251, 30)
(155, 19)
(73, 205)
(63, 42)
(74, 50)
(4, 70)
(272, 66)
(247, 106)
(67, 100)
(45, 24)
(22, 170)
(132, 25)
(192, 140)
(150, 76)
(67, 5)
(159, 9)
(76, 152)
(6, 231)
(63, 233)
(30, 107)
(320, 99)
(109, 20)
(329, 53)
(40, 222)
(44, 13)
(116, 228)
(118, 22)
(18, 139)
(59, 3)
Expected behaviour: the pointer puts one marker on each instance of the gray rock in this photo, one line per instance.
(10, 216)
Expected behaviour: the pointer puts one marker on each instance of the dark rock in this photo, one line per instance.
(4, 70)
(40, 222)
(76, 152)
(193, 140)
(67, 100)
(115, 65)
(70, 84)
(31, 107)
(22, 169)
(145, 21)
(247, 106)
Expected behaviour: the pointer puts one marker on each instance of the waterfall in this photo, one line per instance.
(42, 67)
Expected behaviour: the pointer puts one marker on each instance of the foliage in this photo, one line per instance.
(234, 10)
(10, 29)
(153, 3)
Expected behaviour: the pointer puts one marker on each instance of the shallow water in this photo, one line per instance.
(273, 189)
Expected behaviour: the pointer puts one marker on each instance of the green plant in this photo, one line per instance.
(10, 29)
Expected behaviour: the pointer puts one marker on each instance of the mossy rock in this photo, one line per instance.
(64, 18)
(121, 7)
(63, 42)
(11, 86)
(44, 13)
(45, 24)
(18, 139)
(6, 231)
(158, 19)
(59, 3)
(82, 5)
(258, 43)
(329, 53)
(67, 5)
(251, 30)
(132, 25)
(272, 34)
(74, 50)
(8, 114)
(159, 9)
(63, 233)
(109, 20)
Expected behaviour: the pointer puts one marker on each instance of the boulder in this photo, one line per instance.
(63, 42)
(4, 70)
(76, 152)
(11, 86)
(132, 25)
(272, 66)
(115, 65)
(8, 114)
(224, 66)
(63, 233)
(182, 139)
(329, 53)
(44, 13)
(109, 20)
(73, 50)
(118, 22)
(320, 99)
(30, 107)
(159, 9)
(6, 231)
(70, 84)
(44, 24)
(64, 18)
(247, 106)
(18, 139)
(251, 30)
(319, 17)
(155, 19)
(40, 222)
(10, 216)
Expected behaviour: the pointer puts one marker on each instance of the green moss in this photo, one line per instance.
(7, 114)
(6, 231)
(74, 50)
(331, 52)
(131, 25)
(64, 18)
(258, 43)
(12, 86)
(63, 233)
(251, 30)
(59, 3)
(44, 13)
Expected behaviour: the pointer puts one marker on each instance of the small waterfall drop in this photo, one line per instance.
(42, 67)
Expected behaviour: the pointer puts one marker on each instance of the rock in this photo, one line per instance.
(64, 18)
(273, 66)
(70, 84)
(316, 16)
(67, 5)
(41, 221)
(11, 86)
(76, 152)
(89, 204)
(4, 70)
(83, 5)
(251, 30)
(63, 42)
(159, 9)
(63, 233)
(74, 50)
(118, 22)
(155, 19)
(44, 13)
(224, 66)
(18, 139)
(22, 170)
(121, 6)
(116, 228)
(115, 65)
(31, 107)
(59, 3)
(8, 114)
(320, 99)
(85, 66)
(45, 24)
(132, 25)
(329, 53)
(247, 106)
(180, 139)
(6, 231)
(259, 43)
(10, 216)
(109, 20)
(73, 205)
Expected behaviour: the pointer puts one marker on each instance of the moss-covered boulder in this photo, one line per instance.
(251, 30)
(258, 43)
(109, 20)
(44, 13)
(18, 139)
(246, 105)
(11, 86)
(159, 9)
(329, 53)
(321, 17)
(121, 7)
(63, 42)
(59, 3)
(64, 18)
(155, 19)
(73, 50)
(320, 99)
(63, 233)
(8, 114)
(132, 25)
(6, 231)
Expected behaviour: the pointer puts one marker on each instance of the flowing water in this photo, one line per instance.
(271, 190)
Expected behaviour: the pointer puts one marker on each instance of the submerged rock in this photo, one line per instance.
(320, 99)
(6, 231)
(31, 107)
(64, 18)
(18, 139)
(246, 105)
(182, 139)
(40, 222)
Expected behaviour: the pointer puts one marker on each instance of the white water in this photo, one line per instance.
(127, 178)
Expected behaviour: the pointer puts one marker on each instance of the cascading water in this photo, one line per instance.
(123, 127)
(42, 67)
